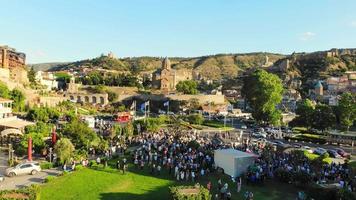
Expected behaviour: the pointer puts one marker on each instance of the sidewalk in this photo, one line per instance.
(3, 161)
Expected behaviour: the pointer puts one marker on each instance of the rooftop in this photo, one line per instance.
(3, 100)
(236, 153)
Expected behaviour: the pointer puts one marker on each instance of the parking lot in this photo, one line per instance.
(23, 180)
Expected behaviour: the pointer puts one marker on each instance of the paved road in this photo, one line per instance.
(3, 161)
(26, 180)
(23, 180)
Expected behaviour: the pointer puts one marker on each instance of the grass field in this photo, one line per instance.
(110, 184)
(312, 156)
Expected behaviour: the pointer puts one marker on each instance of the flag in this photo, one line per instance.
(142, 107)
(165, 104)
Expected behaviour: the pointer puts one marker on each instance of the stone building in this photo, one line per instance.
(12, 65)
(167, 78)
(74, 94)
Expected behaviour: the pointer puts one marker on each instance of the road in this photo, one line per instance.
(23, 180)
(26, 180)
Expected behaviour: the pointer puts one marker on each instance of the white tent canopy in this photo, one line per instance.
(10, 131)
(233, 162)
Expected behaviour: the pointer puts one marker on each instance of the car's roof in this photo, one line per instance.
(29, 162)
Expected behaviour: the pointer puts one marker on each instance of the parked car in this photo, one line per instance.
(296, 145)
(282, 144)
(342, 153)
(334, 154)
(320, 151)
(307, 148)
(24, 168)
(259, 135)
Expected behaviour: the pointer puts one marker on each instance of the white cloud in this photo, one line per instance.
(307, 36)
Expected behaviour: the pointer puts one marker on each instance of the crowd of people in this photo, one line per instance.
(188, 157)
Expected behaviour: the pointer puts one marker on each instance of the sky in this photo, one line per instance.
(71, 30)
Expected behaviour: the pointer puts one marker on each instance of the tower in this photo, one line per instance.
(318, 89)
(72, 86)
(166, 64)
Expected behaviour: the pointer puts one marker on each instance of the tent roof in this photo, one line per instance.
(15, 123)
(235, 153)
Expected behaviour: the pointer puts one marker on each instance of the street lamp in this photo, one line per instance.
(50, 154)
(9, 152)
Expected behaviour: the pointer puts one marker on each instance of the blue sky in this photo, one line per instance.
(69, 30)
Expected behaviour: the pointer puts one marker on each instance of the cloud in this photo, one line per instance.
(307, 36)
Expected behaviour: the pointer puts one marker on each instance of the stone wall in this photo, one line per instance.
(97, 98)
(50, 101)
(202, 99)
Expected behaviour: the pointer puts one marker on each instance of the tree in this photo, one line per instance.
(80, 134)
(195, 118)
(37, 142)
(323, 117)
(43, 114)
(112, 96)
(187, 87)
(4, 91)
(347, 110)
(19, 100)
(128, 130)
(32, 75)
(193, 104)
(263, 91)
(64, 150)
(304, 111)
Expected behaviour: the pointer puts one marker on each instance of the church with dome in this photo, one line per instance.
(166, 78)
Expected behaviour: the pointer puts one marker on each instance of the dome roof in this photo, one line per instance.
(318, 85)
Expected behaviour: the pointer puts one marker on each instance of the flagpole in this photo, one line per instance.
(148, 109)
(168, 108)
(145, 111)
(134, 109)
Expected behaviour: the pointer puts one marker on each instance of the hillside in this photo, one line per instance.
(211, 67)
(309, 67)
(46, 66)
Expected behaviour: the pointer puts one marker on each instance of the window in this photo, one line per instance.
(26, 166)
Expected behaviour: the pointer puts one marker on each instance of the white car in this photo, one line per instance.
(308, 149)
(23, 168)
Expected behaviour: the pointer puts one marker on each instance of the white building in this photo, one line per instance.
(10, 124)
(47, 79)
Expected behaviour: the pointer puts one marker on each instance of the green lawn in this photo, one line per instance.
(109, 184)
(312, 156)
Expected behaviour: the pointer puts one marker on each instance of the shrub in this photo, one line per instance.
(49, 179)
(196, 192)
(79, 167)
(46, 165)
(195, 119)
(30, 193)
